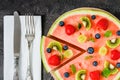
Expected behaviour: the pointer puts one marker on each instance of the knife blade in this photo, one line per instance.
(17, 42)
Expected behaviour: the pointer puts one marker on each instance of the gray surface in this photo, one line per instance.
(50, 10)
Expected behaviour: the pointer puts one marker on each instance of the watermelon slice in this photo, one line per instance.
(83, 58)
(57, 57)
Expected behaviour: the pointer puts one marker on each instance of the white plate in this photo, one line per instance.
(8, 49)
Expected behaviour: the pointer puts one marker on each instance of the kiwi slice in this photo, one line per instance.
(80, 75)
(113, 43)
(86, 22)
(68, 54)
(103, 51)
(108, 33)
(73, 68)
(82, 38)
(55, 45)
(109, 69)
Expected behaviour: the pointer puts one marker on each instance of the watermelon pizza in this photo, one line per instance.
(83, 44)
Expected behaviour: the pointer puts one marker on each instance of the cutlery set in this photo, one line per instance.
(29, 35)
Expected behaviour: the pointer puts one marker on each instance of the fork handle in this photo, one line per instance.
(29, 74)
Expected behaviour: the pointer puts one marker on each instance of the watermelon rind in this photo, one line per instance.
(45, 63)
(85, 10)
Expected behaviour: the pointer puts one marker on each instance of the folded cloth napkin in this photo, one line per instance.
(9, 51)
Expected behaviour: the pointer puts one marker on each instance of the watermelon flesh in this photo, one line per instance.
(47, 55)
(57, 32)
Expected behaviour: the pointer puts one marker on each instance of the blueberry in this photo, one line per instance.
(118, 65)
(49, 50)
(93, 17)
(65, 47)
(90, 50)
(97, 36)
(61, 23)
(95, 63)
(66, 74)
(118, 32)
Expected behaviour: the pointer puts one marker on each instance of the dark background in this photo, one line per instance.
(50, 10)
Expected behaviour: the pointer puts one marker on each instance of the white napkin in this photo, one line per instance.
(8, 49)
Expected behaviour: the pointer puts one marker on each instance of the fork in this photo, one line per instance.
(30, 35)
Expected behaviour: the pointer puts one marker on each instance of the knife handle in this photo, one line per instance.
(15, 77)
(29, 74)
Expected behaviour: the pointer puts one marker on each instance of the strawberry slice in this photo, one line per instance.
(102, 23)
(95, 75)
(115, 54)
(69, 29)
(54, 60)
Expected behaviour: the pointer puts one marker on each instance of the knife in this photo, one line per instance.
(17, 41)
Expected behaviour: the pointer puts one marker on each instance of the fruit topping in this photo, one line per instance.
(117, 77)
(66, 74)
(73, 68)
(97, 36)
(61, 23)
(54, 60)
(102, 24)
(95, 75)
(118, 65)
(69, 29)
(115, 55)
(109, 69)
(68, 53)
(90, 50)
(93, 17)
(49, 50)
(65, 47)
(108, 33)
(113, 43)
(95, 63)
(92, 39)
(80, 75)
(118, 32)
(103, 51)
(55, 45)
(86, 22)
(88, 57)
(82, 38)
(79, 25)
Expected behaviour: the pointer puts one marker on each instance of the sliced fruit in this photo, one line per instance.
(54, 60)
(118, 32)
(68, 53)
(108, 33)
(115, 54)
(113, 43)
(92, 39)
(117, 77)
(109, 69)
(55, 45)
(118, 64)
(79, 25)
(88, 57)
(93, 17)
(73, 68)
(86, 22)
(102, 23)
(80, 75)
(95, 75)
(69, 29)
(82, 38)
(103, 51)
